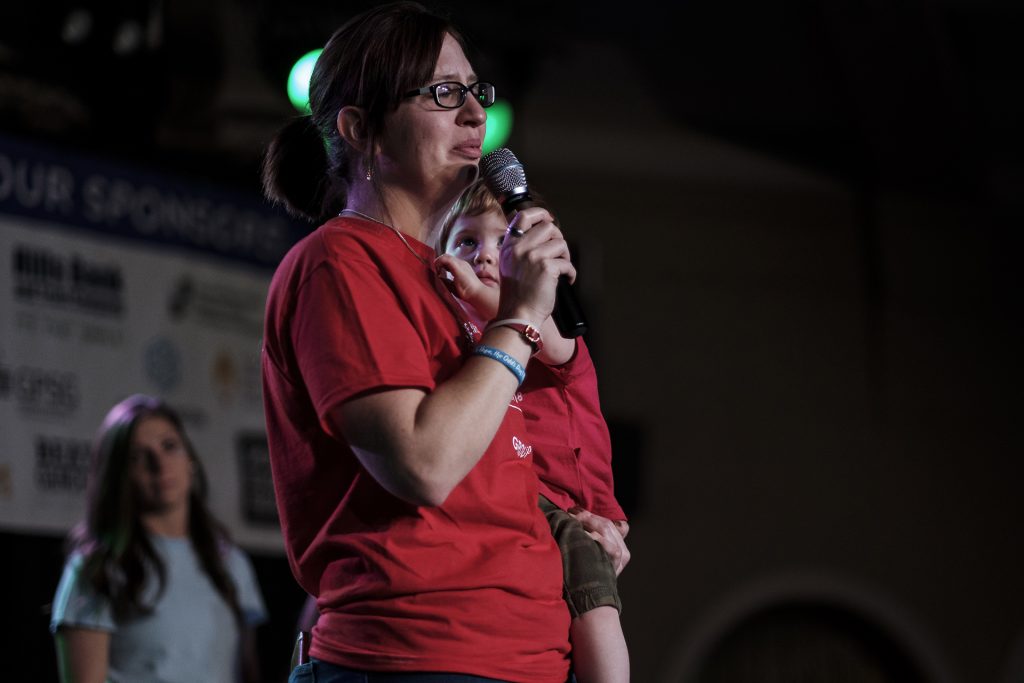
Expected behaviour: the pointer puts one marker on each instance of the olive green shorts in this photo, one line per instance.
(588, 575)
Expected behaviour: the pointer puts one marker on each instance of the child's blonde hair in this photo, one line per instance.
(474, 201)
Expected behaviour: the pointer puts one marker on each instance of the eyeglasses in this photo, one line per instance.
(452, 94)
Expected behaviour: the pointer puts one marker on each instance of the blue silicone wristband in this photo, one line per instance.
(508, 361)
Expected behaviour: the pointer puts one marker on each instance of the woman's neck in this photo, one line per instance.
(173, 522)
(416, 214)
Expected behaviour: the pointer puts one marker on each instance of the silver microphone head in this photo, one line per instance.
(503, 174)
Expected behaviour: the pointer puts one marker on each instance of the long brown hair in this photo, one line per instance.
(370, 62)
(119, 555)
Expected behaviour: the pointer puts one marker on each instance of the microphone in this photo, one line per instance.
(506, 179)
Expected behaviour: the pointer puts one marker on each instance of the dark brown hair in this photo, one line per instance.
(118, 555)
(370, 62)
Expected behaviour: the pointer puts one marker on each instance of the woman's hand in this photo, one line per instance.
(463, 282)
(608, 534)
(533, 256)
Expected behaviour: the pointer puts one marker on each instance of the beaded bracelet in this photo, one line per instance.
(508, 361)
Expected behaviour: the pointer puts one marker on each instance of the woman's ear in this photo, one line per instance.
(352, 127)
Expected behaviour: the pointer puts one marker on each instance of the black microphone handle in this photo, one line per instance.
(567, 314)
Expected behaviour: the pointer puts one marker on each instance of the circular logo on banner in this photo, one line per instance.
(162, 364)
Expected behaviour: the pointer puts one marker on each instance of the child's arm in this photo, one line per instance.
(607, 533)
(464, 284)
(579, 380)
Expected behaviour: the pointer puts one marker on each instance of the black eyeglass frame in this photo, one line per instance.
(455, 85)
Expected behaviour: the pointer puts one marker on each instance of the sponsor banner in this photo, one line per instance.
(89, 316)
(53, 185)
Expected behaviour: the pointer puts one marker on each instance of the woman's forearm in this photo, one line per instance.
(420, 445)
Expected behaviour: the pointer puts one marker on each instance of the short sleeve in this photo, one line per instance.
(250, 599)
(352, 335)
(77, 604)
(579, 366)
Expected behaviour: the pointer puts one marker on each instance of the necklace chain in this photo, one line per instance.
(454, 304)
(388, 225)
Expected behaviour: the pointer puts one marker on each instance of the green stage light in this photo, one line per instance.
(298, 80)
(499, 125)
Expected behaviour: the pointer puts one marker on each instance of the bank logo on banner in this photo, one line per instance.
(55, 288)
(67, 281)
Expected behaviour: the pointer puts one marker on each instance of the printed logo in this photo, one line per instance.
(235, 378)
(224, 375)
(162, 364)
(258, 504)
(522, 450)
(217, 306)
(472, 331)
(42, 276)
(40, 390)
(61, 464)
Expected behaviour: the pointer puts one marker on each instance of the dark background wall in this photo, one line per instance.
(798, 226)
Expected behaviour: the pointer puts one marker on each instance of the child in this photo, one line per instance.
(571, 446)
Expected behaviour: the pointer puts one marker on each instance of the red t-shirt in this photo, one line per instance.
(571, 447)
(473, 586)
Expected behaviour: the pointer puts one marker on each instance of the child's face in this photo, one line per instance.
(477, 241)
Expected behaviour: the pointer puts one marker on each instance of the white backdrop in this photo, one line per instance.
(113, 284)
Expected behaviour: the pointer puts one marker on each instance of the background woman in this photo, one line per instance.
(153, 590)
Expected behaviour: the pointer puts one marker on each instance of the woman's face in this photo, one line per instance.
(477, 241)
(426, 147)
(159, 464)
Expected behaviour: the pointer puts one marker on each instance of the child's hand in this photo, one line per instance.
(464, 284)
(607, 533)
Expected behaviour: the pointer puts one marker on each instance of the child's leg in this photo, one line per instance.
(599, 653)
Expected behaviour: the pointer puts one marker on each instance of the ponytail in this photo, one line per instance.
(296, 172)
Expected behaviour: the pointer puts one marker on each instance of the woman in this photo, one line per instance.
(401, 464)
(153, 590)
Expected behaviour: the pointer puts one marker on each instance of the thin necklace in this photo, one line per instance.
(388, 225)
(456, 306)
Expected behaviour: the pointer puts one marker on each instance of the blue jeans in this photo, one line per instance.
(318, 671)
